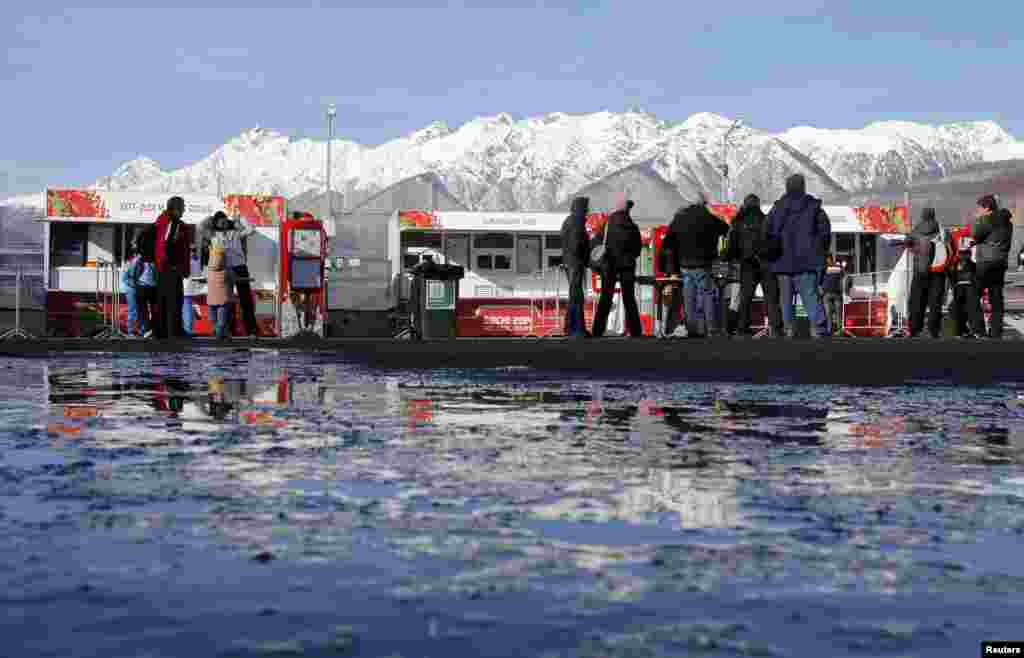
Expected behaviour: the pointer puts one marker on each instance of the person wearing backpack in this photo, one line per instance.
(928, 285)
(141, 277)
(744, 247)
(966, 301)
(129, 285)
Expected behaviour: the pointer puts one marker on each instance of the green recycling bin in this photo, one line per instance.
(435, 296)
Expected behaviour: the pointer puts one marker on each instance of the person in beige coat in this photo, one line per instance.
(218, 289)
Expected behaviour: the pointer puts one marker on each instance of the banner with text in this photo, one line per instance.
(145, 207)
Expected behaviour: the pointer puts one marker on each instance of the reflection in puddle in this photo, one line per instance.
(454, 484)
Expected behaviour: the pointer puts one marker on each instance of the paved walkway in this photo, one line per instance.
(837, 361)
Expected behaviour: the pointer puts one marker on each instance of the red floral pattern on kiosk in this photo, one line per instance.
(76, 203)
(417, 219)
(258, 210)
(879, 219)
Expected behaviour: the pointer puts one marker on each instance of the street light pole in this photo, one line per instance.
(725, 159)
(331, 113)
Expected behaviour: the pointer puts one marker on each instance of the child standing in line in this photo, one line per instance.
(138, 280)
(192, 289)
(831, 291)
(146, 293)
(129, 284)
(966, 302)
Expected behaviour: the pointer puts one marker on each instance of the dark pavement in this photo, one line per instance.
(836, 361)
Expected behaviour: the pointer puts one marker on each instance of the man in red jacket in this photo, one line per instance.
(173, 251)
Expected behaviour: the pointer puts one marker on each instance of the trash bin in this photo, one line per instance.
(435, 294)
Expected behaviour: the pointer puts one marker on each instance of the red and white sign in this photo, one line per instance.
(123, 207)
(145, 207)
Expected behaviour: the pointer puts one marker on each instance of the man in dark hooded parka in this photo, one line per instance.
(927, 288)
(798, 220)
(575, 257)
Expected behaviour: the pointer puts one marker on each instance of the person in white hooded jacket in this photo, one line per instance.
(233, 234)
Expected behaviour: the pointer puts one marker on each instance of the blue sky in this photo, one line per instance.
(85, 89)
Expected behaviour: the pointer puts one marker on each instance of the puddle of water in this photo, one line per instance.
(585, 518)
(607, 533)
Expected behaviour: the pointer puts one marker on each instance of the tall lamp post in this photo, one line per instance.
(331, 113)
(738, 123)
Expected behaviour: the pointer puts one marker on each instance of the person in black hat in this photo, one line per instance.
(575, 256)
(927, 288)
(993, 234)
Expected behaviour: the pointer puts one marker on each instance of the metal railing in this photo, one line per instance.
(21, 292)
(550, 280)
(112, 324)
(871, 289)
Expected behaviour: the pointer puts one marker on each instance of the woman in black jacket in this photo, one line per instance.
(621, 253)
(744, 243)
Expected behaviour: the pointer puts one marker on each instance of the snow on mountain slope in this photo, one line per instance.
(132, 174)
(1001, 152)
(503, 163)
(891, 153)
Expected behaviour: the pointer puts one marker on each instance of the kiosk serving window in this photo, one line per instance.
(456, 249)
(493, 251)
(68, 244)
(101, 244)
(552, 251)
(845, 248)
(415, 243)
(528, 254)
(82, 245)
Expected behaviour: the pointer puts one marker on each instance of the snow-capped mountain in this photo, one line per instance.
(132, 174)
(500, 163)
(896, 152)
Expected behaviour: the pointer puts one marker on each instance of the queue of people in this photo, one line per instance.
(971, 261)
(786, 254)
(167, 266)
(783, 252)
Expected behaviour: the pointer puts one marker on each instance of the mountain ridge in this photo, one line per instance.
(535, 163)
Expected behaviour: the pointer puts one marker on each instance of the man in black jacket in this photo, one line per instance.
(993, 234)
(621, 253)
(744, 243)
(927, 288)
(692, 242)
(575, 257)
